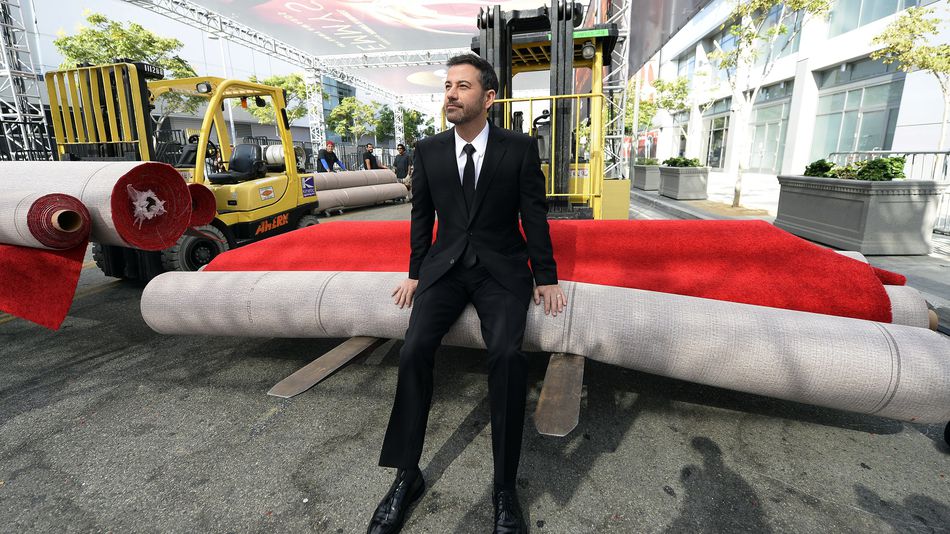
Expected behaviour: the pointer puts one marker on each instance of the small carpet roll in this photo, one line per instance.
(144, 205)
(203, 205)
(52, 221)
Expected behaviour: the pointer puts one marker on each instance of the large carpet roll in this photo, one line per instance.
(353, 197)
(889, 370)
(908, 307)
(203, 205)
(338, 180)
(144, 205)
(51, 221)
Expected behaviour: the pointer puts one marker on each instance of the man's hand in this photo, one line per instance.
(402, 295)
(553, 297)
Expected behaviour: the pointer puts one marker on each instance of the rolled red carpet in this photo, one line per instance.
(52, 221)
(751, 262)
(141, 205)
(135, 204)
(203, 205)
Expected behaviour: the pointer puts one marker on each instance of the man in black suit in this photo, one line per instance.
(478, 178)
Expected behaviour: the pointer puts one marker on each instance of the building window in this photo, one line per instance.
(716, 132)
(847, 15)
(686, 66)
(782, 47)
(768, 126)
(858, 119)
(726, 42)
(861, 69)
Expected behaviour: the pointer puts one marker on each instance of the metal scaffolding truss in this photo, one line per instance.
(615, 90)
(316, 67)
(21, 109)
(400, 58)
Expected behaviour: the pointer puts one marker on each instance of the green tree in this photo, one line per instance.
(375, 109)
(644, 109)
(351, 118)
(412, 124)
(415, 125)
(760, 31)
(385, 123)
(105, 40)
(906, 43)
(295, 95)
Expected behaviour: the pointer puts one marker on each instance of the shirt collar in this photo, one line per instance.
(480, 142)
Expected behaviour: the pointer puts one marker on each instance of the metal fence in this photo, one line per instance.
(24, 141)
(918, 166)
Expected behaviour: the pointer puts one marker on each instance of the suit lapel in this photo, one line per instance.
(494, 151)
(449, 161)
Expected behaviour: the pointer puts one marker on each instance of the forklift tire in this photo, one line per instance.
(99, 255)
(193, 252)
(307, 220)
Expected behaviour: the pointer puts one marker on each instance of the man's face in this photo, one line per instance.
(401, 149)
(330, 148)
(369, 148)
(465, 99)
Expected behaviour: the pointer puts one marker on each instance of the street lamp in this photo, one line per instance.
(224, 65)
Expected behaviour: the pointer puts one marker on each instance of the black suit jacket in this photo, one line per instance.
(509, 184)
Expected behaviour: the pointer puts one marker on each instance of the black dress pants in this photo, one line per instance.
(502, 317)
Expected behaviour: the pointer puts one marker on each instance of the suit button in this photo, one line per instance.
(471, 233)
(452, 261)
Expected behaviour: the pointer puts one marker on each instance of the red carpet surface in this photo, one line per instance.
(38, 285)
(750, 262)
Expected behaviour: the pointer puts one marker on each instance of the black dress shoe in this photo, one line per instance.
(508, 516)
(391, 512)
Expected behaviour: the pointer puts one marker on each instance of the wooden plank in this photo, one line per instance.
(559, 407)
(319, 369)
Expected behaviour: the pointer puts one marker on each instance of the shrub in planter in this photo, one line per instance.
(683, 179)
(821, 169)
(882, 169)
(682, 162)
(874, 170)
(865, 206)
(646, 174)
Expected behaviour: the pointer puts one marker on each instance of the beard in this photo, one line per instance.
(461, 114)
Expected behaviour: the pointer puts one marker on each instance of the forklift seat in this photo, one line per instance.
(247, 163)
(188, 155)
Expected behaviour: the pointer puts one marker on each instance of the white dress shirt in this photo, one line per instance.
(480, 142)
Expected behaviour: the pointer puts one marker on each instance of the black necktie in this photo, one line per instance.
(468, 177)
(468, 189)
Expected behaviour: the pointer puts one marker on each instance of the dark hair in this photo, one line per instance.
(487, 76)
(402, 146)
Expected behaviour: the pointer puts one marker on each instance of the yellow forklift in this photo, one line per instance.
(570, 126)
(102, 113)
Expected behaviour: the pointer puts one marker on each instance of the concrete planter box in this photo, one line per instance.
(870, 217)
(646, 177)
(684, 183)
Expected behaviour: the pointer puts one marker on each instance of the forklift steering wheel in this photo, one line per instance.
(212, 150)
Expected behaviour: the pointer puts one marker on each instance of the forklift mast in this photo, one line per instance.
(101, 113)
(497, 28)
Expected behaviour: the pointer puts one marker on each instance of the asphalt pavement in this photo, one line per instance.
(106, 426)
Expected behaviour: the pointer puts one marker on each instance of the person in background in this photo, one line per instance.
(401, 163)
(369, 159)
(327, 158)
